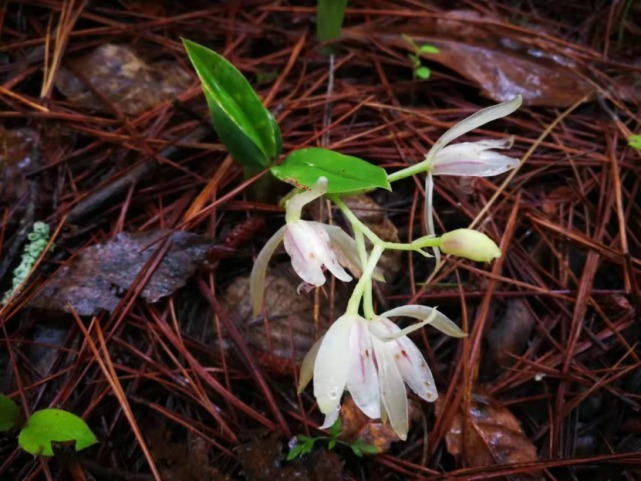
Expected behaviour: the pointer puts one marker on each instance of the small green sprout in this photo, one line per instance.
(304, 444)
(419, 71)
(38, 240)
(44, 428)
(634, 141)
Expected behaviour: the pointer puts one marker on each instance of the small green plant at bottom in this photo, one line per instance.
(304, 444)
(45, 427)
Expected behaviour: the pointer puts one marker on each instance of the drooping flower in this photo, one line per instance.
(373, 360)
(475, 159)
(311, 245)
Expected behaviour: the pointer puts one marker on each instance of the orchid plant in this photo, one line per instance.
(363, 352)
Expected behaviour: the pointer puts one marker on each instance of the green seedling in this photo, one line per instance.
(305, 444)
(634, 141)
(419, 71)
(45, 427)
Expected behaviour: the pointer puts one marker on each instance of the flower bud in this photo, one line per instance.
(470, 244)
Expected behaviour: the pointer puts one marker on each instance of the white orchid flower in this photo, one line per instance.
(311, 245)
(372, 360)
(475, 159)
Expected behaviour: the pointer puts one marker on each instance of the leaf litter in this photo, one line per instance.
(98, 277)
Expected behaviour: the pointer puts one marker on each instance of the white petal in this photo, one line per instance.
(330, 418)
(307, 366)
(328, 255)
(303, 244)
(331, 366)
(475, 120)
(410, 363)
(347, 252)
(362, 378)
(295, 204)
(423, 313)
(392, 388)
(259, 271)
(474, 159)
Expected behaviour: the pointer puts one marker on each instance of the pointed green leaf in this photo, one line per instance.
(9, 413)
(634, 141)
(245, 126)
(335, 429)
(345, 174)
(428, 49)
(329, 19)
(49, 425)
(423, 73)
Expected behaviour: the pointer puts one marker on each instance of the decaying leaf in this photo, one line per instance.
(99, 276)
(488, 434)
(179, 461)
(502, 62)
(122, 78)
(508, 337)
(16, 151)
(287, 334)
(263, 460)
(355, 426)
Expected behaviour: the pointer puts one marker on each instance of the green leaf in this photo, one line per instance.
(9, 413)
(423, 73)
(428, 49)
(332, 444)
(356, 449)
(634, 141)
(335, 429)
(345, 174)
(244, 125)
(369, 449)
(294, 452)
(329, 19)
(49, 425)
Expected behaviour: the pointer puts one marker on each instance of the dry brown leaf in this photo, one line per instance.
(98, 277)
(119, 75)
(503, 63)
(509, 336)
(288, 333)
(16, 151)
(355, 426)
(489, 434)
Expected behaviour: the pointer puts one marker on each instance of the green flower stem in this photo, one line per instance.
(357, 225)
(409, 171)
(364, 281)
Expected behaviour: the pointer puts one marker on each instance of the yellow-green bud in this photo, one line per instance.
(470, 244)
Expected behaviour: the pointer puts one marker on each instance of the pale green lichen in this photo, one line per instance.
(38, 240)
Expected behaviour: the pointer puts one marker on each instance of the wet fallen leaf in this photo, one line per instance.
(508, 337)
(179, 461)
(122, 78)
(502, 62)
(264, 460)
(356, 426)
(16, 151)
(99, 276)
(284, 339)
(488, 434)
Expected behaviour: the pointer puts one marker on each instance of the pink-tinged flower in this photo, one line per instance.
(373, 360)
(311, 246)
(475, 159)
